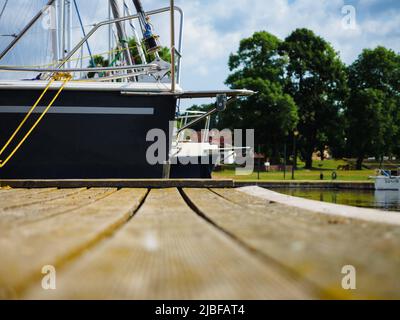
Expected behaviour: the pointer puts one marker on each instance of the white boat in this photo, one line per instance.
(194, 154)
(386, 181)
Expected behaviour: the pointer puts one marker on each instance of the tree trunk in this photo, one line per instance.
(359, 163)
(275, 157)
(309, 161)
(295, 161)
(322, 152)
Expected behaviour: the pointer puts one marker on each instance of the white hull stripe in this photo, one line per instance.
(81, 110)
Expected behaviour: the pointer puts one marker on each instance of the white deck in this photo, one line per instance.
(90, 86)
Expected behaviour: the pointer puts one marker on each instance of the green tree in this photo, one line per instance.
(376, 68)
(164, 52)
(316, 79)
(374, 105)
(97, 61)
(258, 66)
(369, 124)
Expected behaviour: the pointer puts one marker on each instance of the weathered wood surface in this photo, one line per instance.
(25, 249)
(167, 252)
(186, 183)
(312, 245)
(53, 204)
(119, 183)
(107, 243)
(29, 198)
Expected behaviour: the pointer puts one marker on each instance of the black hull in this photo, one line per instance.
(86, 135)
(193, 168)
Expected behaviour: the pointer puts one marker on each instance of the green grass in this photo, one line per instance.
(309, 175)
(327, 167)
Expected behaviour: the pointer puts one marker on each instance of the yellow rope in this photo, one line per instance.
(26, 117)
(62, 76)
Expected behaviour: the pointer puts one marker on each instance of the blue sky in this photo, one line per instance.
(213, 28)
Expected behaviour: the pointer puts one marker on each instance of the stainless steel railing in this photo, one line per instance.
(177, 51)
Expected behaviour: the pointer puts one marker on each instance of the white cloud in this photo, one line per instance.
(206, 44)
(213, 29)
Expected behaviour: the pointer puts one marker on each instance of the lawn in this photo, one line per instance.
(326, 167)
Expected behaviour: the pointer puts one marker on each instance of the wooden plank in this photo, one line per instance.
(185, 183)
(312, 245)
(65, 201)
(18, 193)
(26, 249)
(15, 200)
(168, 252)
(120, 183)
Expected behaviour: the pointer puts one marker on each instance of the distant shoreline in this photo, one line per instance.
(355, 185)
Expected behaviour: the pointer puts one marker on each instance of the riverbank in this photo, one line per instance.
(361, 198)
(351, 185)
(299, 175)
(327, 168)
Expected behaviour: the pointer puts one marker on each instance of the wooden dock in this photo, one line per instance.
(187, 243)
(187, 183)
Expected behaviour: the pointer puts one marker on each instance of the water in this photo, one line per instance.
(383, 200)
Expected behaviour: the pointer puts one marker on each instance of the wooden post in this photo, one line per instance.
(284, 162)
(259, 162)
(295, 134)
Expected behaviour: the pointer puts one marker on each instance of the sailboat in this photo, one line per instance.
(64, 125)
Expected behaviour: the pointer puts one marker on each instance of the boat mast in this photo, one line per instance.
(172, 18)
(141, 13)
(54, 32)
(135, 34)
(65, 24)
(61, 28)
(65, 28)
(110, 34)
(121, 32)
(151, 41)
(68, 28)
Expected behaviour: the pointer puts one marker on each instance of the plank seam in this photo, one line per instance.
(41, 200)
(261, 256)
(227, 199)
(70, 257)
(102, 197)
